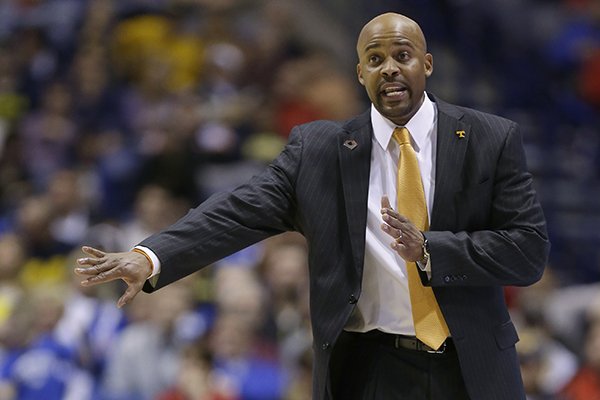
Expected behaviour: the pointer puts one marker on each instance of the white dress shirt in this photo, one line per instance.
(384, 303)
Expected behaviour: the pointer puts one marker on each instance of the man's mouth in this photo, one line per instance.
(393, 91)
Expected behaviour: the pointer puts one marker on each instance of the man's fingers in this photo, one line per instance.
(399, 247)
(94, 266)
(98, 257)
(385, 202)
(386, 209)
(95, 280)
(407, 238)
(101, 267)
(393, 222)
(402, 218)
(93, 252)
(130, 293)
(393, 232)
(89, 261)
(102, 277)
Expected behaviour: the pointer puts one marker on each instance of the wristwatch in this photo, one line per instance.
(422, 263)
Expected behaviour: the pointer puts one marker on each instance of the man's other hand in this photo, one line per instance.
(100, 267)
(408, 239)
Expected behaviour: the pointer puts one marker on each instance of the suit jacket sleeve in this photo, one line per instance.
(513, 248)
(228, 222)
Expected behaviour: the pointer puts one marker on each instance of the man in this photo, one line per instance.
(479, 227)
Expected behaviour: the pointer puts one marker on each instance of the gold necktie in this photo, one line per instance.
(430, 326)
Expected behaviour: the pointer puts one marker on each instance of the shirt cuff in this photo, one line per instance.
(153, 258)
(425, 267)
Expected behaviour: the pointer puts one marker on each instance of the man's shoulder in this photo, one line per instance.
(487, 118)
(321, 126)
(474, 116)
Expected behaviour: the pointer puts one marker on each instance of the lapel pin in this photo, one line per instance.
(460, 134)
(351, 144)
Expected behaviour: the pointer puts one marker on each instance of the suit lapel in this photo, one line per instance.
(452, 142)
(354, 149)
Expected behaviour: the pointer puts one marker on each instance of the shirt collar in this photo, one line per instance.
(419, 125)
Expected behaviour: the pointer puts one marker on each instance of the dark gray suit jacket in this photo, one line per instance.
(487, 230)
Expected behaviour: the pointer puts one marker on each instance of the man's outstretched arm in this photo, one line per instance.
(223, 224)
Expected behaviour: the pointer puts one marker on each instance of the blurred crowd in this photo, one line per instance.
(116, 117)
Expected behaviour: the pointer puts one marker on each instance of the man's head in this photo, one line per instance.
(394, 65)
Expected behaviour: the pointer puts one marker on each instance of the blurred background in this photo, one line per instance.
(118, 116)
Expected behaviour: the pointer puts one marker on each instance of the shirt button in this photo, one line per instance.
(352, 299)
(325, 346)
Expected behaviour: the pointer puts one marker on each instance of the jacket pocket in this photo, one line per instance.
(506, 335)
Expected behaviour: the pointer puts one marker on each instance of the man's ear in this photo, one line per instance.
(428, 65)
(359, 74)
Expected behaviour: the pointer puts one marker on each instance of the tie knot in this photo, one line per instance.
(402, 136)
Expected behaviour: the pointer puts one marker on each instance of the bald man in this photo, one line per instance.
(480, 228)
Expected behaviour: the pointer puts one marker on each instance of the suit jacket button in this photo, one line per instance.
(352, 299)
(464, 277)
(447, 279)
(325, 346)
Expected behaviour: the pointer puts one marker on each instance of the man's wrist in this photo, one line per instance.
(425, 249)
(154, 260)
(150, 263)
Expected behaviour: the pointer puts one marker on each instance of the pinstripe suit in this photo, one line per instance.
(487, 230)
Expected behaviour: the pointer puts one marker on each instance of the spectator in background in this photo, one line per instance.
(284, 273)
(45, 254)
(89, 327)
(174, 164)
(36, 60)
(154, 208)
(97, 107)
(12, 258)
(246, 363)
(239, 369)
(586, 383)
(71, 215)
(196, 378)
(48, 136)
(572, 56)
(301, 378)
(238, 292)
(546, 365)
(12, 102)
(170, 46)
(302, 91)
(146, 357)
(36, 365)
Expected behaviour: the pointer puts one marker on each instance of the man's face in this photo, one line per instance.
(393, 66)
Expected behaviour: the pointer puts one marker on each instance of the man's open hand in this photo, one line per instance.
(408, 239)
(133, 268)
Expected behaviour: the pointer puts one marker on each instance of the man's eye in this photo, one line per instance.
(403, 56)
(374, 59)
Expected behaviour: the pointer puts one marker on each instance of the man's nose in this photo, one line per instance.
(389, 68)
